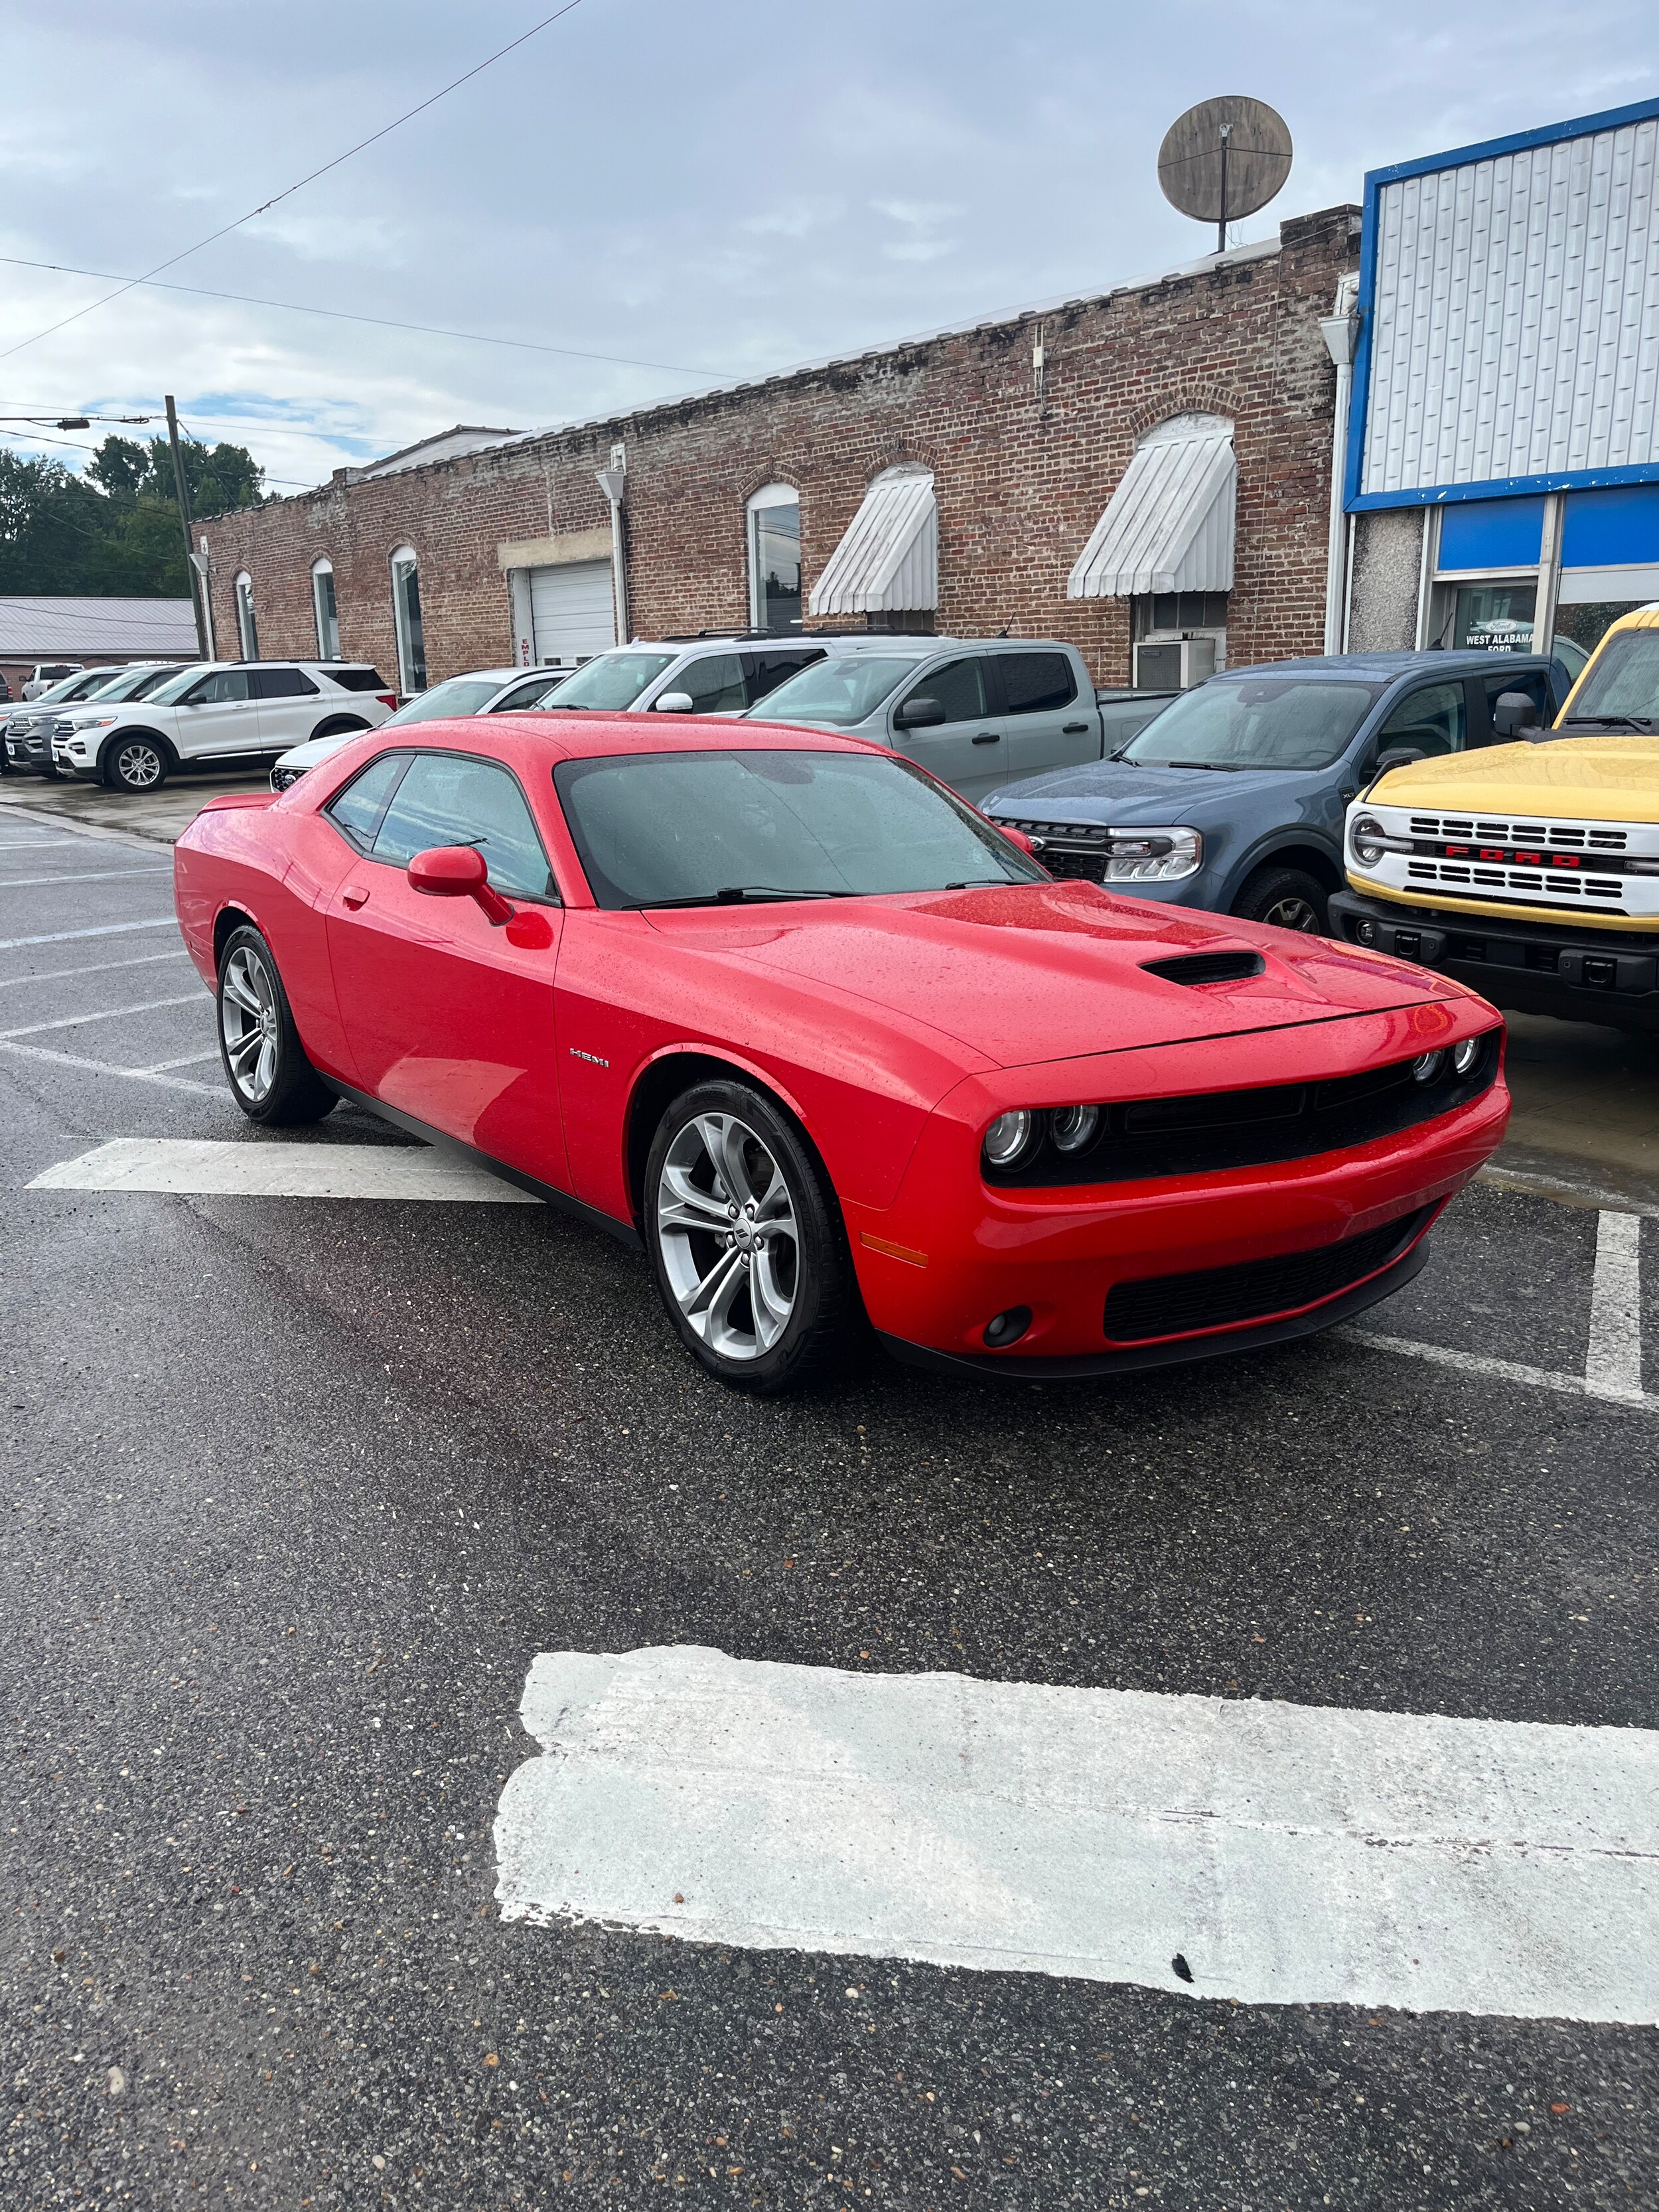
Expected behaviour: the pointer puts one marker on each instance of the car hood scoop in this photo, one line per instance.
(1022, 973)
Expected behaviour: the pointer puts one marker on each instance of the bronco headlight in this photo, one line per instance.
(1152, 856)
(1010, 1137)
(1366, 837)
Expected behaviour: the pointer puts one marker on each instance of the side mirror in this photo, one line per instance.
(921, 713)
(459, 872)
(1028, 846)
(1514, 716)
(675, 702)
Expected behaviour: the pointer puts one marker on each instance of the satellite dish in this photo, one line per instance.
(1223, 160)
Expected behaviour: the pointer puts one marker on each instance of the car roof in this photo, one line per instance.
(1384, 667)
(586, 736)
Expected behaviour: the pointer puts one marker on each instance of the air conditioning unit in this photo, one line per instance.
(1174, 664)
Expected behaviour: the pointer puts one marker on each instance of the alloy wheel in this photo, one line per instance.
(730, 1243)
(138, 767)
(1293, 913)
(249, 1021)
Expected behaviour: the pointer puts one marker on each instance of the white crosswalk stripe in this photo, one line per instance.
(207, 1168)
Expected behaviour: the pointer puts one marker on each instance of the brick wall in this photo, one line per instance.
(1021, 477)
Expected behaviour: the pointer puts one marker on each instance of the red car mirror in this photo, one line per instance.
(459, 872)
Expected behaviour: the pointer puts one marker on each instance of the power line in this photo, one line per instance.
(79, 445)
(289, 190)
(339, 315)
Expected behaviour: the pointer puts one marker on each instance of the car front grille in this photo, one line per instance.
(1571, 836)
(1219, 1297)
(1145, 1140)
(281, 778)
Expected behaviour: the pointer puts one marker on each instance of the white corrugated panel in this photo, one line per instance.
(36, 628)
(1168, 525)
(572, 612)
(888, 560)
(1515, 329)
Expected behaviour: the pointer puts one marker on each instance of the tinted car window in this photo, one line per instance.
(842, 691)
(223, 688)
(529, 695)
(1036, 683)
(1257, 722)
(281, 684)
(448, 799)
(1433, 719)
(357, 809)
(767, 669)
(357, 679)
(959, 687)
(1532, 681)
(714, 684)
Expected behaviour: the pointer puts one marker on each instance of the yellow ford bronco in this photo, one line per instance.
(1528, 870)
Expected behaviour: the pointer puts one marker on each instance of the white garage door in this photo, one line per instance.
(570, 610)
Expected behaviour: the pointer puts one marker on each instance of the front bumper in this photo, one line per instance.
(1578, 974)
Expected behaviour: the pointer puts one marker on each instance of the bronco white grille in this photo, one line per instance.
(1540, 863)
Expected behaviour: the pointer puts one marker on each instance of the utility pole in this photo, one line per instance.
(184, 524)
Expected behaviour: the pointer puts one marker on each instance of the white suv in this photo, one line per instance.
(239, 713)
(718, 673)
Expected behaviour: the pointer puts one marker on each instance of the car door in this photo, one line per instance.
(1047, 722)
(713, 684)
(288, 706)
(217, 717)
(447, 1019)
(966, 750)
(1431, 719)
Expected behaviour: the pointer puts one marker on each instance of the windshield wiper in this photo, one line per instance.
(1609, 721)
(737, 895)
(1221, 768)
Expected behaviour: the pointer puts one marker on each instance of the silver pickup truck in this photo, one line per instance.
(979, 712)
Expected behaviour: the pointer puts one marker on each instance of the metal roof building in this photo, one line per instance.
(44, 628)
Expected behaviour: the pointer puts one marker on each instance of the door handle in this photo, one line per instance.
(988, 737)
(354, 895)
(1074, 729)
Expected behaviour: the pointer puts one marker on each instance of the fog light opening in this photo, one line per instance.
(1007, 1327)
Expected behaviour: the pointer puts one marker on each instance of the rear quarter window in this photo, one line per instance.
(356, 679)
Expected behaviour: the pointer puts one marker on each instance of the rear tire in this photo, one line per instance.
(265, 1065)
(138, 763)
(1284, 898)
(747, 1243)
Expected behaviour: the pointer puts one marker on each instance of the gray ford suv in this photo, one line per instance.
(1232, 799)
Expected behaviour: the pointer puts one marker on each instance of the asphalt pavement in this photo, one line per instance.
(299, 1489)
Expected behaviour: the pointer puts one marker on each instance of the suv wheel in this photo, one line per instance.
(136, 763)
(271, 1078)
(1284, 898)
(747, 1243)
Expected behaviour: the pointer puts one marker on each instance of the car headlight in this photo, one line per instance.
(1152, 856)
(1427, 1066)
(1012, 1138)
(100, 722)
(1367, 838)
(1464, 1056)
(1072, 1127)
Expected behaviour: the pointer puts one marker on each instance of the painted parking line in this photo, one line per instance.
(101, 929)
(1229, 1848)
(105, 1014)
(201, 1167)
(103, 967)
(85, 1066)
(98, 876)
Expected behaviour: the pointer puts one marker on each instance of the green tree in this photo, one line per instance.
(113, 531)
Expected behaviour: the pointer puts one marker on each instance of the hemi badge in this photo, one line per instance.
(576, 1052)
(893, 1251)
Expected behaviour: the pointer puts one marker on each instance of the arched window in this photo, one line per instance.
(406, 613)
(326, 610)
(247, 630)
(774, 558)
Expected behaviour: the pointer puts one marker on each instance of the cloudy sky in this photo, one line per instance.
(673, 192)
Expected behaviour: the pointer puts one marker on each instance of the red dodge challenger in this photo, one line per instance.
(783, 1009)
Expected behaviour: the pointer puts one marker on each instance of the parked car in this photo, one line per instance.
(483, 691)
(1232, 798)
(974, 710)
(782, 1010)
(33, 718)
(44, 673)
(228, 712)
(716, 673)
(29, 734)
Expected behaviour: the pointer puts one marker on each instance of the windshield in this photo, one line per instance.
(132, 684)
(684, 829)
(164, 695)
(1256, 722)
(83, 684)
(1621, 684)
(839, 691)
(462, 694)
(614, 680)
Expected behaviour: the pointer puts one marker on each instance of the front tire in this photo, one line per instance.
(138, 763)
(747, 1243)
(265, 1065)
(1284, 898)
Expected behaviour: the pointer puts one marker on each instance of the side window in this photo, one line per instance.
(767, 670)
(1533, 681)
(357, 809)
(446, 799)
(714, 682)
(529, 695)
(1434, 719)
(222, 689)
(959, 687)
(1036, 683)
(281, 683)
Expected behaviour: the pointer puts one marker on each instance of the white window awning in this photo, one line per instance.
(1168, 525)
(888, 559)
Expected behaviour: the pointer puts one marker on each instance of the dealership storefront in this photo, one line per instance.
(1504, 428)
